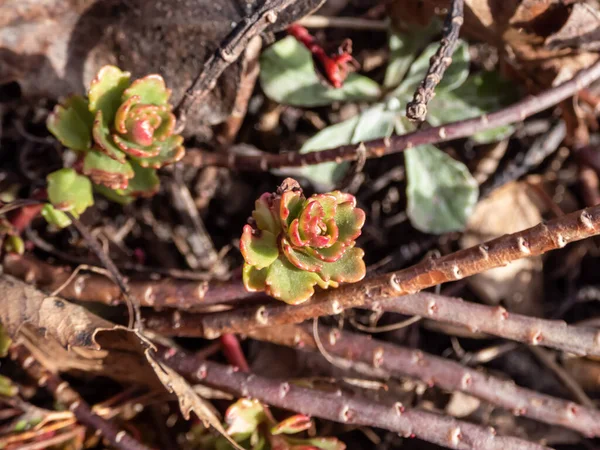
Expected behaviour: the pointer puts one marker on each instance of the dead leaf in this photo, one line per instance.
(189, 399)
(519, 285)
(581, 30)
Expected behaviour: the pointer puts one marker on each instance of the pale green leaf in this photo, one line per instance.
(441, 192)
(69, 191)
(287, 76)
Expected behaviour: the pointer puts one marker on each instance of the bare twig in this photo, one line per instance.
(389, 360)
(92, 287)
(228, 52)
(63, 393)
(417, 108)
(387, 291)
(336, 406)
(379, 147)
(350, 23)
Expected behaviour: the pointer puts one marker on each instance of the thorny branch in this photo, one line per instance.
(379, 147)
(362, 354)
(417, 108)
(66, 395)
(228, 52)
(336, 406)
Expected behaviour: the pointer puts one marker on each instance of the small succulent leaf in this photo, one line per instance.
(292, 425)
(145, 182)
(123, 112)
(294, 234)
(259, 247)
(328, 202)
(330, 254)
(300, 259)
(5, 342)
(71, 123)
(166, 127)
(343, 197)
(106, 91)
(14, 244)
(290, 207)
(311, 216)
(114, 195)
(102, 139)
(69, 191)
(288, 76)
(325, 443)
(151, 90)
(55, 217)
(135, 150)
(349, 220)
(288, 283)
(480, 94)
(455, 75)
(403, 51)
(7, 388)
(244, 417)
(375, 122)
(263, 214)
(440, 190)
(104, 170)
(350, 268)
(255, 280)
(170, 151)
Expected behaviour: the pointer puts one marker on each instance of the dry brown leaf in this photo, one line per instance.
(518, 285)
(581, 30)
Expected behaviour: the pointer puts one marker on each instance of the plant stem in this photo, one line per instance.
(380, 147)
(389, 360)
(337, 406)
(417, 108)
(387, 292)
(66, 395)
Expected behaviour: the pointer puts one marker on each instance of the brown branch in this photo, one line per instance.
(386, 291)
(228, 52)
(379, 147)
(417, 108)
(388, 360)
(66, 395)
(336, 406)
(91, 287)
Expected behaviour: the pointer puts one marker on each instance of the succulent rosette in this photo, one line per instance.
(293, 243)
(124, 131)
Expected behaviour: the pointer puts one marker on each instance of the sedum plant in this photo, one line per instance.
(122, 132)
(293, 243)
(251, 425)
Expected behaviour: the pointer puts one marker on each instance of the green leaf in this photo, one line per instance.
(243, 417)
(145, 182)
(403, 50)
(71, 123)
(259, 250)
(151, 90)
(69, 191)
(480, 94)
(55, 217)
(171, 150)
(350, 268)
(455, 75)
(104, 170)
(287, 76)
(254, 279)
(103, 141)
(292, 425)
(373, 123)
(290, 284)
(106, 91)
(441, 192)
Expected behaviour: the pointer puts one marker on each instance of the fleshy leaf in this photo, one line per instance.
(135, 150)
(145, 182)
(330, 254)
(258, 247)
(104, 170)
(170, 151)
(255, 280)
(350, 268)
(290, 207)
(287, 75)
(55, 217)
(290, 284)
(299, 259)
(102, 139)
(349, 221)
(106, 91)
(292, 425)
(69, 191)
(71, 123)
(151, 90)
(244, 416)
(441, 192)
(263, 214)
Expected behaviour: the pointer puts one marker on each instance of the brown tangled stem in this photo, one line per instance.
(167, 292)
(229, 51)
(65, 394)
(386, 360)
(339, 407)
(388, 291)
(416, 109)
(380, 147)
